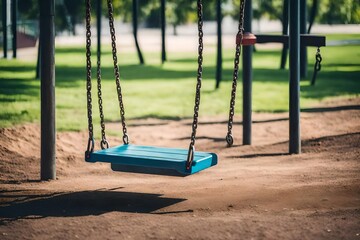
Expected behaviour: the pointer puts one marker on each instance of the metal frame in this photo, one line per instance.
(306, 39)
(47, 75)
(294, 81)
(247, 77)
(296, 43)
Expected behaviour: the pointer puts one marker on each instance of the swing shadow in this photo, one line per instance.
(24, 205)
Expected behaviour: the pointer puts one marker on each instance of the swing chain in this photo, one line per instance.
(116, 71)
(318, 58)
(103, 143)
(240, 34)
(90, 145)
(190, 157)
(317, 66)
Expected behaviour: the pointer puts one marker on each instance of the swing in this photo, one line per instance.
(142, 159)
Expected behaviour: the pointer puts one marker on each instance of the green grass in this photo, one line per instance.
(167, 91)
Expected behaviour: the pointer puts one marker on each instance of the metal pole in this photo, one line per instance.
(13, 26)
(4, 26)
(135, 27)
(247, 78)
(163, 31)
(303, 30)
(219, 44)
(98, 28)
(285, 25)
(294, 101)
(47, 75)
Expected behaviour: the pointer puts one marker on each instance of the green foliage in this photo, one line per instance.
(329, 11)
(339, 11)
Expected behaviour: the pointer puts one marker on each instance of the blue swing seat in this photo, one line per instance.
(152, 160)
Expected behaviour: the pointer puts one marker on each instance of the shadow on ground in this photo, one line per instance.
(21, 204)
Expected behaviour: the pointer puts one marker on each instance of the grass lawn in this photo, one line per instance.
(167, 91)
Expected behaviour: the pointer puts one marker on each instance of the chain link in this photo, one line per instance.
(104, 143)
(318, 60)
(317, 66)
(198, 85)
(116, 71)
(240, 34)
(90, 146)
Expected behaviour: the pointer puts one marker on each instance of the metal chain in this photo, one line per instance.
(116, 71)
(240, 34)
(90, 145)
(104, 143)
(317, 66)
(198, 85)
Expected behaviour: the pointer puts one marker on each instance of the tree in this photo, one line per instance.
(330, 11)
(339, 11)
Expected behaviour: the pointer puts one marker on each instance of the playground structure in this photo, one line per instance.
(305, 41)
(48, 78)
(122, 157)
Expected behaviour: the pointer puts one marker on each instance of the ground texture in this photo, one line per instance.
(255, 192)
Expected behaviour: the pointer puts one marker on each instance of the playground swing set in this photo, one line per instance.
(134, 158)
(157, 160)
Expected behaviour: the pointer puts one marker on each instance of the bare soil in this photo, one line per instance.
(255, 192)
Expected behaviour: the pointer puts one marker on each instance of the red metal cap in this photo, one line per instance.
(248, 39)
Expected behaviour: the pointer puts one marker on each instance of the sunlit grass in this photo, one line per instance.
(167, 91)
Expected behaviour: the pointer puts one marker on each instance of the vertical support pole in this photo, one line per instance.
(303, 30)
(163, 30)
(219, 45)
(4, 26)
(135, 28)
(47, 75)
(98, 28)
(285, 25)
(294, 100)
(247, 78)
(14, 26)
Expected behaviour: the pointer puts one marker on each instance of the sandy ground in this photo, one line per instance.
(255, 192)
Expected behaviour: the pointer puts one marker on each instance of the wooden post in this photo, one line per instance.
(47, 75)
(294, 86)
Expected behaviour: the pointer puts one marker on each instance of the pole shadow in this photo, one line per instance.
(331, 109)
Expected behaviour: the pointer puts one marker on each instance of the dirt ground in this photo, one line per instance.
(255, 192)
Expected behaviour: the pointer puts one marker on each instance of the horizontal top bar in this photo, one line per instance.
(305, 39)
